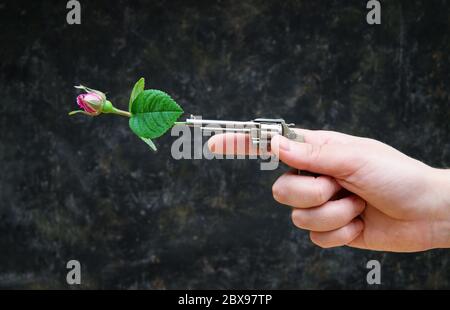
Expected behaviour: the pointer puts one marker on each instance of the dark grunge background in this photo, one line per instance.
(88, 189)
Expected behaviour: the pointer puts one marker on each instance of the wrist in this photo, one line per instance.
(441, 196)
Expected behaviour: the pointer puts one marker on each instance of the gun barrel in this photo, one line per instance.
(214, 123)
(226, 129)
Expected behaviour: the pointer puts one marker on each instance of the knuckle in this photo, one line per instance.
(319, 196)
(317, 240)
(294, 219)
(313, 152)
(277, 191)
(299, 219)
(346, 234)
(359, 204)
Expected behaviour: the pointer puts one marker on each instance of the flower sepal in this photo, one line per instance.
(90, 90)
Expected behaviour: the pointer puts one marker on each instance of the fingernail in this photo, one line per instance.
(284, 143)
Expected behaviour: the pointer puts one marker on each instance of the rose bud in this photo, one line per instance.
(92, 102)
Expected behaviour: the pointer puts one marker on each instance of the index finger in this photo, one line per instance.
(241, 144)
(232, 144)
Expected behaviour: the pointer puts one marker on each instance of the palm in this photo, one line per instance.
(395, 218)
(382, 232)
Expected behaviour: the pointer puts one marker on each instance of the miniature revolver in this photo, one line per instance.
(260, 130)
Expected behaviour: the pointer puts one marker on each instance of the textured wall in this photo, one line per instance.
(88, 189)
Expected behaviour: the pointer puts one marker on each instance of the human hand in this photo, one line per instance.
(391, 202)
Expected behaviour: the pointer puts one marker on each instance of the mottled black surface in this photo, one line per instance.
(88, 189)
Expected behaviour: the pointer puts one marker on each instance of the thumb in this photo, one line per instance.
(337, 160)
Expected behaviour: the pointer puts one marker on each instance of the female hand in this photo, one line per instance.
(391, 203)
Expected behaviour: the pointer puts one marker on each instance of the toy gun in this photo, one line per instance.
(260, 130)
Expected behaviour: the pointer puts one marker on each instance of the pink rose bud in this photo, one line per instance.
(92, 103)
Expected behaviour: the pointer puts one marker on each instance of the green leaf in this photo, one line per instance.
(149, 143)
(153, 113)
(137, 89)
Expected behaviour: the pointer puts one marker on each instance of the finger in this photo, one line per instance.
(338, 237)
(300, 191)
(338, 160)
(233, 144)
(241, 144)
(330, 216)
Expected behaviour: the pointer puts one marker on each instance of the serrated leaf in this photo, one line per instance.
(149, 143)
(137, 89)
(153, 112)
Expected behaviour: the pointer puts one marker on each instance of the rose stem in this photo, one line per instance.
(121, 112)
